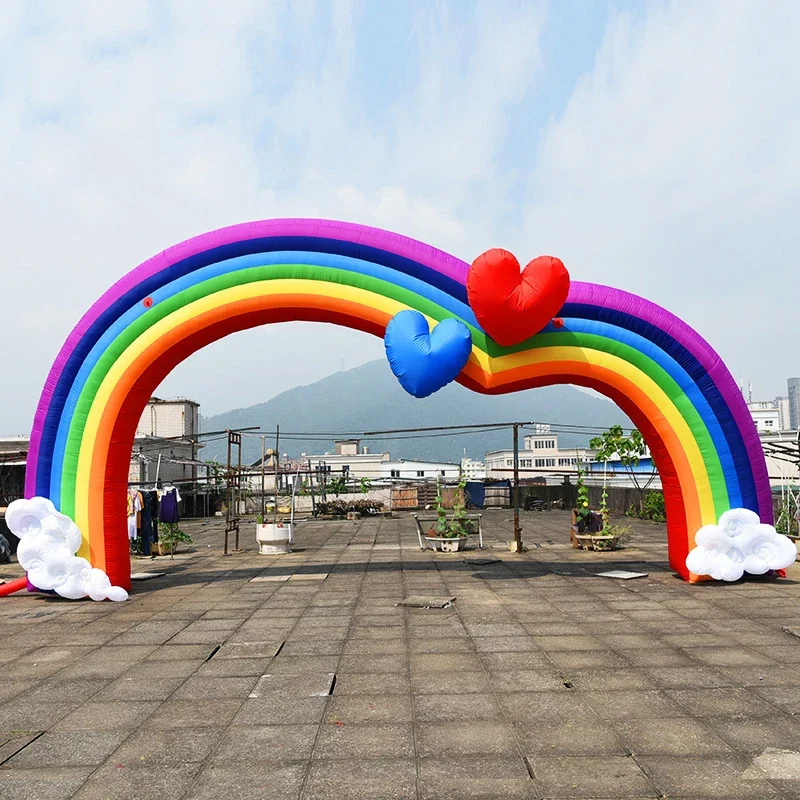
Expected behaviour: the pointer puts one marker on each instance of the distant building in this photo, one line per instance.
(407, 469)
(473, 470)
(793, 386)
(166, 445)
(353, 461)
(782, 404)
(540, 454)
(176, 417)
(766, 415)
(349, 459)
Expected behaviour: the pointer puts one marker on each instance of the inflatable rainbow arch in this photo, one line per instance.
(667, 379)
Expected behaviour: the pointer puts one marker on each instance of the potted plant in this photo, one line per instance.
(585, 522)
(610, 537)
(170, 536)
(448, 535)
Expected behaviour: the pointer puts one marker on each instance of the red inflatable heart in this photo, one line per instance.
(511, 305)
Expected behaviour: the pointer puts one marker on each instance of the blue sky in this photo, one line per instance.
(651, 145)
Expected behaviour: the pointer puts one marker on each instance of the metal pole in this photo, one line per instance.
(238, 489)
(311, 489)
(277, 462)
(263, 477)
(517, 529)
(227, 521)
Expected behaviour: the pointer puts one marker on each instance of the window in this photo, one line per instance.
(345, 469)
(509, 462)
(768, 423)
(525, 462)
(420, 473)
(564, 462)
(441, 472)
(539, 462)
(550, 462)
(394, 473)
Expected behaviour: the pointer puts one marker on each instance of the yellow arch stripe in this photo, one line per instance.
(492, 366)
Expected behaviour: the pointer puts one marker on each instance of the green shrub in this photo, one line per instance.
(340, 508)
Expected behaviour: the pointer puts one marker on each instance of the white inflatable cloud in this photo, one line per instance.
(739, 543)
(46, 551)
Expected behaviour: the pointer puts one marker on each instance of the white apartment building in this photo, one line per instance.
(539, 455)
(473, 470)
(420, 470)
(350, 459)
(766, 416)
(354, 461)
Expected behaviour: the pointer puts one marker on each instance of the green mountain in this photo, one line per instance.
(369, 398)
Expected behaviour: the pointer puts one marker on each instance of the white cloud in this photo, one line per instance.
(122, 133)
(673, 172)
(739, 544)
(46, 551)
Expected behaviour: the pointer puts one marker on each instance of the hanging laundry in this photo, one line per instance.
(134, 509)
(149, 527)
(170, 497)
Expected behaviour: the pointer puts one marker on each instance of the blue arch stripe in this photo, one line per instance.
(239, 264)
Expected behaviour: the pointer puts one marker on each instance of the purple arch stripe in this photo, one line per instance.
(404, 246)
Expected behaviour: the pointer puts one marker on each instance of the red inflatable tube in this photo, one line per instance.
(13, 586)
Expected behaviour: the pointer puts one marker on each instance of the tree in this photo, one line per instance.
(629, 449)
(337, 485)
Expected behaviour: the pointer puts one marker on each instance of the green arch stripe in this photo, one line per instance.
(404, 296)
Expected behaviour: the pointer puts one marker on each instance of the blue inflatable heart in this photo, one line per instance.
(425, 361)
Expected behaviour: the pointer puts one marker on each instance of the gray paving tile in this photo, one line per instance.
(281, 710)
(378, 708)
(261, 781)
(706, 776)
(641, 704)
(529, 680)
(68, 749)
(266, 743)
(681, 677)
(464, 707)
(110, 715)
(372, 683)
(131, 687)
(757, 734)
(475, 776)
(193, 714)
(447, 739)
(201, 687)
(138, 783)
(465, 682)
(721, 702)
(673, 736)
(377, 779)
(387, 664)
(166, 747)
(47, 783)
(365, 741)
(585, 736)
(591, 776)
(545, 706)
